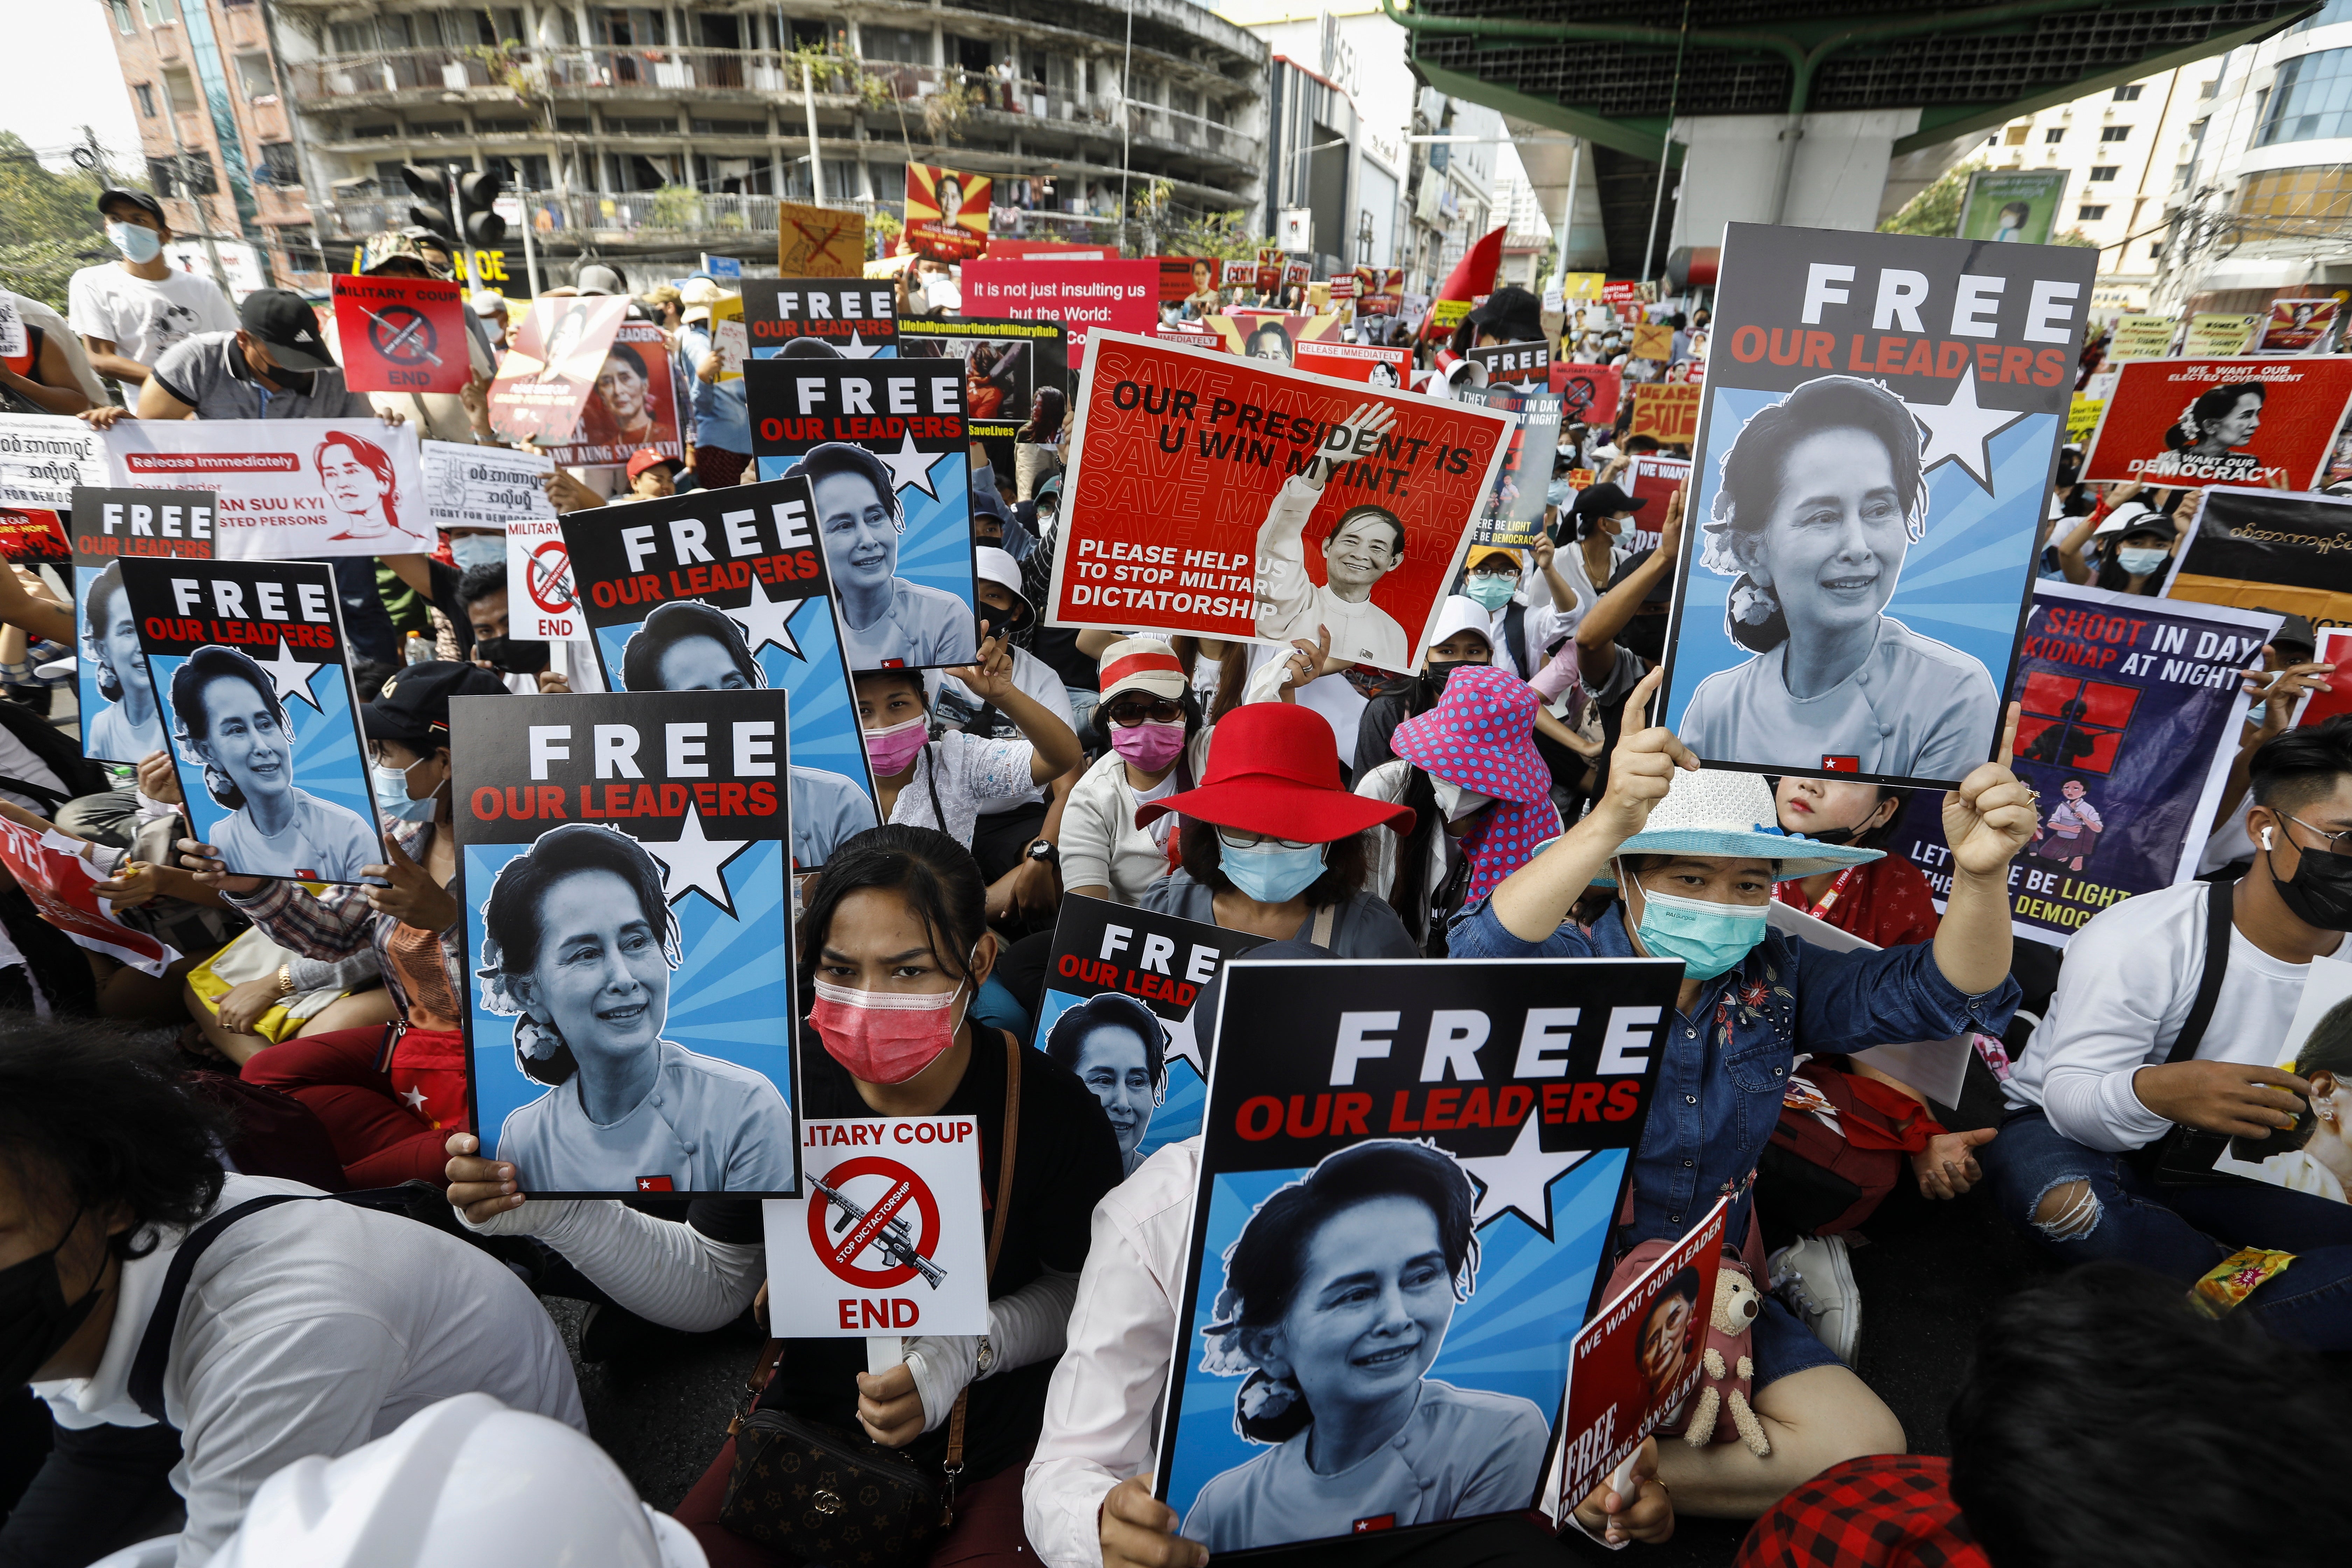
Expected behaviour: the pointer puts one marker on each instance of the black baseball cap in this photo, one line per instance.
(1606, 501)
(414, 707)
(140, 199)
(1513, 312)
(286, 323)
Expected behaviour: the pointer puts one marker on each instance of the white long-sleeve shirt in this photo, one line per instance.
(2124, 993)
(1360, 630)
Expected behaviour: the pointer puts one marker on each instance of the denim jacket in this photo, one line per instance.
(721, 417)
(1727, 1062)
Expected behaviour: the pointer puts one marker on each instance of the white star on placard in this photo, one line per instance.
(1183, 1045)
(855, 350)
(692, 863)
(1520, 1182)
(908, 466)
(415, 1098)
(766, 620)
(1959, 429)
(290, 676)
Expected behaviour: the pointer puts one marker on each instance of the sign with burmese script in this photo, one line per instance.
(1124, 991)
(120, 720)
(2270, 550)
(249, 672)
(855, 318)
(727, 590)
(1908, 395)
(42, 457)
(622, 862)
(886, 454)
(1498, 1126)
(890, 1240)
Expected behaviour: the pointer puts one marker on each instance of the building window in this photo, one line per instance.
(2311, 98)
(2015, 136)
(2052, 138)
(123, 22)
(254, 75)
(2181, 173)
(2127, 94)
(278, 166)
(158, 12)
(2333, 11)
(2089, 215)
(2324, 191)
(2105, 171)
(2156, 251)
(2114, 133)
(146, 99)
(2210, 89)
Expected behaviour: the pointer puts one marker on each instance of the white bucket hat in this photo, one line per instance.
(1730, 816)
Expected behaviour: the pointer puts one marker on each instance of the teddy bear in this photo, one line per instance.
(1727, 1369)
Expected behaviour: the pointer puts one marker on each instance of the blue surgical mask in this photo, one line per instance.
(391, 794)
(1270, 873)
(1708, 937)
(1490, 593)
(136, 241)
(472, 550)
(2139, 562)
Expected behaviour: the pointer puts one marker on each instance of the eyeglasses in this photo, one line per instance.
(2335, 841)
(1235, 839)
(1127, 715)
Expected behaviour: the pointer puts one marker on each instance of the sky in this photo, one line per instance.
(66, 76)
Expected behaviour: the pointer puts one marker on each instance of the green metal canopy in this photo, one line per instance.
(1616, 72)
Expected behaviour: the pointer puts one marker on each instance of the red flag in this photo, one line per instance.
(1474, 275)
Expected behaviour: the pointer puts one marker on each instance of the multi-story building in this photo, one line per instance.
(2261, 188)
(1450, 188)
(1527, 235)
(658, 130)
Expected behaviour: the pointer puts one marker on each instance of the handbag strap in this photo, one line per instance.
(953, 1466)
(2218, 920)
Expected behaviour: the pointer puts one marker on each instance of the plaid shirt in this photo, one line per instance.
(339, 922)
(1883, 1510)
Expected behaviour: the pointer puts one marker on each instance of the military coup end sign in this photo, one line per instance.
(401, 335)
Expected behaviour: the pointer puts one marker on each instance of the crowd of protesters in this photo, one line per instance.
(208, 1354)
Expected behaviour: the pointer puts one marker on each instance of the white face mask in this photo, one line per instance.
(1454, 803)
(2139, 562)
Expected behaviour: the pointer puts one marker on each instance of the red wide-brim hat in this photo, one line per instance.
(1274, 769)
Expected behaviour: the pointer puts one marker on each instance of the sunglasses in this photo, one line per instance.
(1127, 715)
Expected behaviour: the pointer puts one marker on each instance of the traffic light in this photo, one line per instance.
(431, 189)
(476, 194)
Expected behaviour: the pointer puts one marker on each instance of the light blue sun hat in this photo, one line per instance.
(1730, 816)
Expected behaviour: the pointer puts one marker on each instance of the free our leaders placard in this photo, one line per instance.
(888, 1238)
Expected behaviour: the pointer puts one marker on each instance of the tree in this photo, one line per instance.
(49, 227)
(1935, 211)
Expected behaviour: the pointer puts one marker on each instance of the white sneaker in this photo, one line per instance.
(1814, 1280)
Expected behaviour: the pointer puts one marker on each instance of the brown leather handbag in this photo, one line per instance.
(826, 1496)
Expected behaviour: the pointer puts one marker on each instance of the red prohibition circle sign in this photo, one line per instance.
(551, 578)
(838, 1251)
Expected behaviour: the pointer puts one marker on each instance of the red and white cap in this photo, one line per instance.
(1141, 664)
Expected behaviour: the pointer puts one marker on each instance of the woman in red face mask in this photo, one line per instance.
(894, 945)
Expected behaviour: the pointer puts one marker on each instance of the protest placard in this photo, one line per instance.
(546, 608)
(1514, 516)
(1372, 364)
(1273, 336)
(1239, 273)
(1652, 341)
(2246, 421)
(633, 407)
(49, 868)
(646, 826)
(484, 485)
(14, 342)
(2269, 550)
(1667, 412)
(1188, 278)
(946, 213)
(1907, 397)
(2219, 334)
(855, 318)
(1228, 498)
(2013, 206)
(724, 590)
(1637, 1364)
(1520, 363)
(551, 368)
(890, 1240)
(1125, 1008)
(2333, 648)
(286, 488)
(250, 675)
(730, 339)
(1008, 366)
(888, 457)
(1582, 285)
(2314, 1156)
(1498, 1126)
(2298, 326)
(401, 335)
(1379, 291)
(43, 457)
(120, 722)
(1117, 296)
(2082, 416)
(818, 242)
(1588, 391)
(1653, 480)
(2139, 337)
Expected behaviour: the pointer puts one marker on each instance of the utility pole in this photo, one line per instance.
(195, 199)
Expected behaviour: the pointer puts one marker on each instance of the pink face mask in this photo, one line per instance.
(1149, 745)
(894, 747)
(884, 1036)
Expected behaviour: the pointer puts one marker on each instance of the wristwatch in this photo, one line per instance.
(1045, 849)
(985, 1362)
(286, 979)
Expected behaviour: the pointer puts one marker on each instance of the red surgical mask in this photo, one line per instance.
(884, 1036)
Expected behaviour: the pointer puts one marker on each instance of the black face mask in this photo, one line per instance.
(2319, 894)
(35, 1319)
(1646, 634)
(511, 656)
(994, 622)
(1435, 673)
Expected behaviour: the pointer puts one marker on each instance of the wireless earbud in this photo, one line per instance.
(2266, 838)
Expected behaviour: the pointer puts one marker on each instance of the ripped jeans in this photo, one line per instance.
(2179, 1232)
